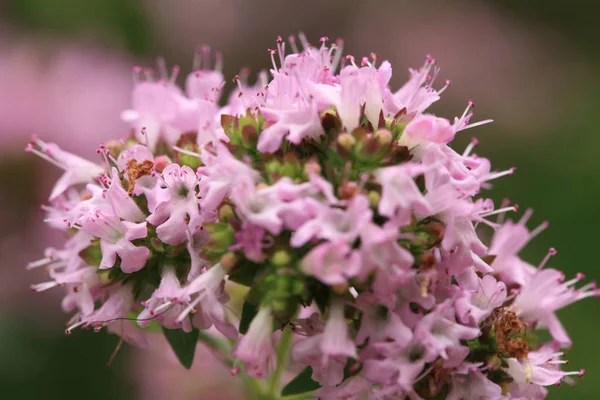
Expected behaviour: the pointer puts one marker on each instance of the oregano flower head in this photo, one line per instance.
(339, 204)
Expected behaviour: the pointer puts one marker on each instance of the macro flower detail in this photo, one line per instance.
(318, 216)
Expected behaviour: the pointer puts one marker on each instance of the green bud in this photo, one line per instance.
(384, 137)
(281, 258)
(221, 237)
(272, 166)
(346, 141)
(374, 198)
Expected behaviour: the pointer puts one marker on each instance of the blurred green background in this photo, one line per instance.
(533, 66)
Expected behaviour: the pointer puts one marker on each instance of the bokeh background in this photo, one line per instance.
(65, 75)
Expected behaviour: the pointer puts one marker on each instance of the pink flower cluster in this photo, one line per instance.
(342, 207)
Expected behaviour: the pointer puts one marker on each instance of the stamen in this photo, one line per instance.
(470, 147)
(40, 287)
(206, 57)
(149, 74)
(304, 41)
(174, 74)
(39, 263)
(161, 64)
(281, 49)
(161, 307)
(184, 151)
(30, 149)
(500, 174)
(543, 226)
(292, 41)
(551, 252)
(136, 74)
(447, 83)
(189, 308)
(69, 330)
(197, 63)
(218, 61)
(351, 59)
(339, 49)
(514, 208)
(528, 213)
(272, 53)
(476, 124)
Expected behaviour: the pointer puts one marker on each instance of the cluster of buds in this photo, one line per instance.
(341, 207)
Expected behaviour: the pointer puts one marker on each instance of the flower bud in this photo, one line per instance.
(280, 258)
(384, 137)
(115, 147)
(312, 167)
(346, 141)
(161, 162)
(229, 260)
(374, 198)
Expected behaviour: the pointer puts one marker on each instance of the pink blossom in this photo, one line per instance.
(208, 291)
(327, 351)
(540, 367)
(473, 385)
(255, 349)
(427, 129)
(417, 94)
(224, 174)
(332, 263)
(289, 114)
(400, 193)
(114, 314)
(544, 294)
(77, 170)
(362, 87)
(438, 331)
(380, 322)
(115, 239)
(475, 306)
(165, 304)
(170, 215)
(251, 240)
(335, 224)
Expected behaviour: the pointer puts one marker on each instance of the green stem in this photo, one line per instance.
(300, 396)
(220, 345)
(283, 353)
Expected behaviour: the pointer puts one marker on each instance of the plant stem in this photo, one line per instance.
(220, 345)
(283, 353)
(300, 396)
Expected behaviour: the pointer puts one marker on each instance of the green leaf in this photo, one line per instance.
(249, 310)
(245, 273)
(183, 344)
(301, 383)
